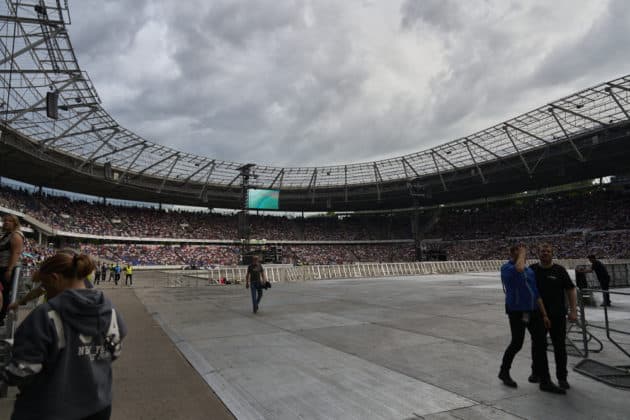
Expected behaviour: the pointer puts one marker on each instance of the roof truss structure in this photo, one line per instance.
(38, 56)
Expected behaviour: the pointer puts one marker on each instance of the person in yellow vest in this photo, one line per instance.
(129, 274)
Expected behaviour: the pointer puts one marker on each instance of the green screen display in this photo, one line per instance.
(263, 199)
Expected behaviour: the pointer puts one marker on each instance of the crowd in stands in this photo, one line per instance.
(597, 210)
(577, 223)
(96, 218)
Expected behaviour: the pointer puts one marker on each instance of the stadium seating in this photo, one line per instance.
(577, 223)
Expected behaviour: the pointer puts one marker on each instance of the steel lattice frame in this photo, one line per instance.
(37, 56)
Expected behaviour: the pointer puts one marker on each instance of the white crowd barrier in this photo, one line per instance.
(289, 273)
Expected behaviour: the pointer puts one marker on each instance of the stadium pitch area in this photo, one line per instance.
(387, 348)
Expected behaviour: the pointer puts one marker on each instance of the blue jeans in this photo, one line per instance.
(256, 295)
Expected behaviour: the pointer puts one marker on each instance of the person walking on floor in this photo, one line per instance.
(602, 276)
(555, 288)
(256, 278)
(525, 310)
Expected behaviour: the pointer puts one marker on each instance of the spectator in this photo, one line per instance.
(63, 350)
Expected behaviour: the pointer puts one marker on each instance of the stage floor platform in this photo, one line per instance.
(424, 347)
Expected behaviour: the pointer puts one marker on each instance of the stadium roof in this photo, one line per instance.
(38, 58)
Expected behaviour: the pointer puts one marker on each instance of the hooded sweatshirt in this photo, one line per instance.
(72, 380)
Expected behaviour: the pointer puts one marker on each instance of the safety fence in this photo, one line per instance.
(289, 273)
(7, 331)
(588, 344)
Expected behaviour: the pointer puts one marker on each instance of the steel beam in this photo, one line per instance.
(566, 135)
(379, 179)
(345, 182)
(31, 45)
(406, 163)
(513, 127)
(444, 159)
(612, 94)
(280, 175)
(483, 179)
(43, 108)
(529, 171)
(577, 114)
(153, 165)
(312, 184)
(114, 150)
(196, 172)
(170, 171)
(104, 142)
(437, 168)
(35, 71)
(67, 83)
(205, 184)
(123, 175)
(91, 130)
(65, 133)
(616, 86)
(484, 149)
(18, 19)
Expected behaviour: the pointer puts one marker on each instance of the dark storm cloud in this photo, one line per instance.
(322, 82)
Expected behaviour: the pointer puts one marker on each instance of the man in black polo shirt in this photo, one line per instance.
(602, 276)
(555, 288)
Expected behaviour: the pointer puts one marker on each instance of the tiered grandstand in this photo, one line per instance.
(578, 221)
(454, 201)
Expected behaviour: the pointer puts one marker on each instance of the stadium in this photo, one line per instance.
(383, 271)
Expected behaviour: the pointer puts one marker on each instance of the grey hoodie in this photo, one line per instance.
(71, 382)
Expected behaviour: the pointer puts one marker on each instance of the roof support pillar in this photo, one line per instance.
(566, 135)
(437, 168)
(483, 178)
(379, 179)
(133, 162)
(205, 184)
(612, 94)
(529, 171)
(170, 171)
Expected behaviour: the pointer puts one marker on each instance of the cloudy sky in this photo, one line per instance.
(305, 82)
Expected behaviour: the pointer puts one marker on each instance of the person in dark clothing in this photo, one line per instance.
(555, 288)
(602, 276)
(11, 246)
(63, 351)
(256, 276)
(525, 310)
(103, 272)
(117, 270)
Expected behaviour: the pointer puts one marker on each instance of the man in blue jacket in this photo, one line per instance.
(525, 310)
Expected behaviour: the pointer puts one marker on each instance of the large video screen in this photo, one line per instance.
(263, 199)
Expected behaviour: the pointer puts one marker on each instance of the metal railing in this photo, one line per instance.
(290, 273)
(606, 327)
(10, 324)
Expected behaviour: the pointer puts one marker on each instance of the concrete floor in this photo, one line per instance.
(396, 348)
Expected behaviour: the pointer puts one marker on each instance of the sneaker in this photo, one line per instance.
(507, 380)
(562, 383)
(533, 379)
(551, 388)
